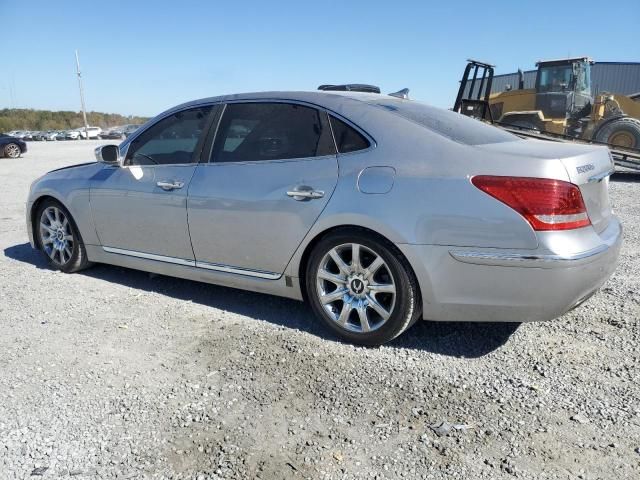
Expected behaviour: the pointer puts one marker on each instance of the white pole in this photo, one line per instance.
(84, 111)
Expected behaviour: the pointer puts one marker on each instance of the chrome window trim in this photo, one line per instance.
(193, 164)
(192, 263)
(266, 162)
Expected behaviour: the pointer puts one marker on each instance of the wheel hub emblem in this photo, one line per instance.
(357, 286)
(60, 235)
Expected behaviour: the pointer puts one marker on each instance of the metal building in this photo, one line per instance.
(614, 77)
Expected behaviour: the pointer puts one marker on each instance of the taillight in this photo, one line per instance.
(546, 204)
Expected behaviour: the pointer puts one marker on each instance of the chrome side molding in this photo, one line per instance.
(502, 259)
(192, 263)
(150, 256)
(238, 271)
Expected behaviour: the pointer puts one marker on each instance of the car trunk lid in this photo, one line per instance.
(587, 166)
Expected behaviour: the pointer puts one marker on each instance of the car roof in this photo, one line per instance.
(318, 97)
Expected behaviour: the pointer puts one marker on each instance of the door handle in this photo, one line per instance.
(305, 193)
(167, 186)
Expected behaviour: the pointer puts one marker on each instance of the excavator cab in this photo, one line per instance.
(563, 88)
(561, 106)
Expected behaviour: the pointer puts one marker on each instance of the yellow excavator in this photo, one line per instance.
(561, 105)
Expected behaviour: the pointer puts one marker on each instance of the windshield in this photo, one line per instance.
(559, 78)
(555, 79)
(449, 124)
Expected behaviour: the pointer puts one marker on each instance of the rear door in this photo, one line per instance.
(272, 170)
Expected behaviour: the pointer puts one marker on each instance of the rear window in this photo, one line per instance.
(452, 125)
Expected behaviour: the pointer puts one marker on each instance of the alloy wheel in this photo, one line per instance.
(356, 288)
(56, 235)
(12, 150)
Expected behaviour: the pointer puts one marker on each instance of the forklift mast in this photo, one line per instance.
(471, 101)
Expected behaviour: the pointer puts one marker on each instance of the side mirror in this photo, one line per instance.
(109, 154)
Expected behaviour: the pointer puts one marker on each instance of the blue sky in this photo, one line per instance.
(144, 56)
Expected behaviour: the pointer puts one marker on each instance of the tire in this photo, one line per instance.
(59, 239)
(342, 297)
(621, 132)
(12, 150)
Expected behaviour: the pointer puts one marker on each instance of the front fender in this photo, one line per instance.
(70, 187)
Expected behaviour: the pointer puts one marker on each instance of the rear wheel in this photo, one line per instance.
(361, 288)
(59, 239)
(12, 150)
(621, 132)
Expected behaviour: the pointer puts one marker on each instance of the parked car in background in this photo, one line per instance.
(51, 135)
(377, 210)
(11, 147)
(72, 135)
(27, 136)
(113, 134)
(129, 129)
(39, 136)
(92, 132)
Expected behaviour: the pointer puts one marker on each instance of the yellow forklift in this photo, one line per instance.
(561, 106)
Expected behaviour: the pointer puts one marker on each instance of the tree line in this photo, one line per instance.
(37, 120)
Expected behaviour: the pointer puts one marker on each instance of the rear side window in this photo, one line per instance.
(271, 131)
(348, 139)
(172, 140)
(447, 123)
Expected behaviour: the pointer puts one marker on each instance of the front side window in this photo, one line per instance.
(172, 140)
(271, 131)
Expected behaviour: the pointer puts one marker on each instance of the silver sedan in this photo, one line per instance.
(377, 210)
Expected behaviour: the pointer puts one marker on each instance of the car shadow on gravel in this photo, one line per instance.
(458, 339)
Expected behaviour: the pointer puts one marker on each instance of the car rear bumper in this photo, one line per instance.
(497, 285)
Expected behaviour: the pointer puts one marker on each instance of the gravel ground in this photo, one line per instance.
(115, 373)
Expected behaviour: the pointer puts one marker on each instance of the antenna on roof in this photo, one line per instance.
(404, 93)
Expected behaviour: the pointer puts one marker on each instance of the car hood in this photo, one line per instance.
(75, 168)
(9, 137)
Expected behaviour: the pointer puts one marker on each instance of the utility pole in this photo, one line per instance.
(84, 111)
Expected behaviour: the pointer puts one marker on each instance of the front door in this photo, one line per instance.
(272, 171)
(140, 208)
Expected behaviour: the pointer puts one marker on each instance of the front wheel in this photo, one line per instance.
(59, 238)
(362, 288)
(12, 150)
